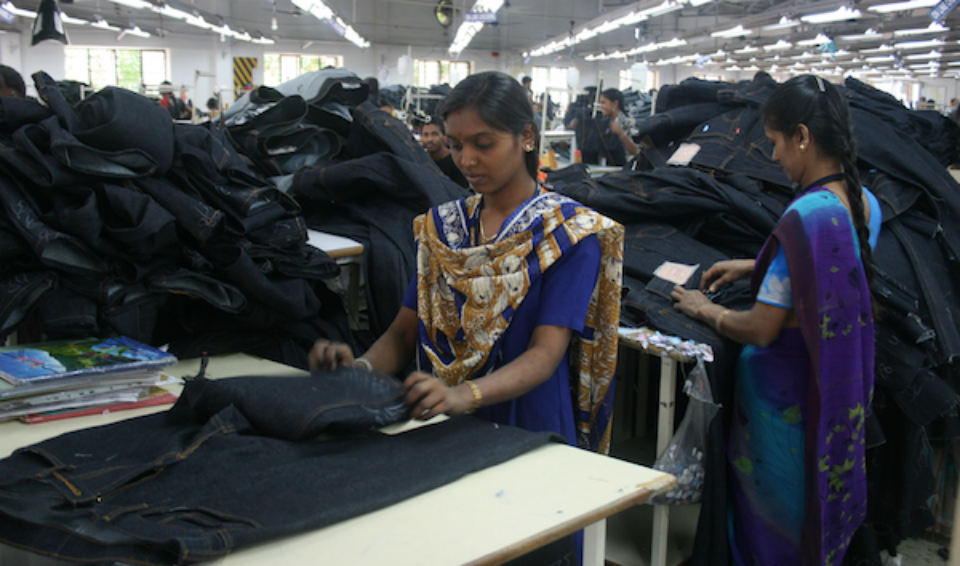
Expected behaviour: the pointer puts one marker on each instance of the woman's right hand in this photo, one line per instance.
(329, 355)
(724, 273)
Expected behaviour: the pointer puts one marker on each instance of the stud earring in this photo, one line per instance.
(528, 148)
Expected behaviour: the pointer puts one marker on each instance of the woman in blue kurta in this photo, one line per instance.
(515, 301)
(805, 377)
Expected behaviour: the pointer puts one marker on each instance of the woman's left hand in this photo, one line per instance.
(615, 127)
(688, 301)
(428, 396)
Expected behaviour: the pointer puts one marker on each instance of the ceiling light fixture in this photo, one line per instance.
(135, 30)
(468, 29)
(737, 31)
(934, 27)
(778, 46)
(18, 11)
(102, 24)
(902, 6)
(869, 34)
(819, 40)
(882, 49)
(842, 13)
(931, 55)
(784, 23)
(139, 4)
(919, 44)
(323, 13)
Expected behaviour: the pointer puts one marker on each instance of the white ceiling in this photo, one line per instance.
(524, 24)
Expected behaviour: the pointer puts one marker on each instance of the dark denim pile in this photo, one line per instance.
(118, 221)
(724, 204)
(355, 170)
(232, 464)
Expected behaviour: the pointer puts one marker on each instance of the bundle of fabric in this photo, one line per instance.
(357, 172)
(724, 202)
(117, 221)
(182, 492)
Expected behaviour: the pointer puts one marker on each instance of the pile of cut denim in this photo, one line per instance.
(724, 202)
(118, 221)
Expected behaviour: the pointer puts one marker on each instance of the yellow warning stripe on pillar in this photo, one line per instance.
(243, 73)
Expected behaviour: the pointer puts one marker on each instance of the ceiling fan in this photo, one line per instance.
(444, 13)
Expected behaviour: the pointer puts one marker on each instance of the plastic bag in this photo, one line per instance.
(683, 457)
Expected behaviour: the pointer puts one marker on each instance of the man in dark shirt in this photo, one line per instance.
(434, 140)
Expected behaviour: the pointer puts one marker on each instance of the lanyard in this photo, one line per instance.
(823, 181)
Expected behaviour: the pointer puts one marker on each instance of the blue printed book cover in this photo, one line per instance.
(28, 364)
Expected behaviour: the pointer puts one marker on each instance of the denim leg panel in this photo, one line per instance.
(16, 112)
(53, 247)
(19, 294)
(345, 400)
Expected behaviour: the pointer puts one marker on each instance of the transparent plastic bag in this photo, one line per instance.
(684, 455)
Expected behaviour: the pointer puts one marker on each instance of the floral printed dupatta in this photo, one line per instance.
(467, 294)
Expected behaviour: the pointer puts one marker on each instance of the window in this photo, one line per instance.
(429, 73)
(639, 77)
(281, 67)
(556, 79)
(127, 68)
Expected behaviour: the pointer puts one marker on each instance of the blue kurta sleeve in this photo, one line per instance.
(568, 286)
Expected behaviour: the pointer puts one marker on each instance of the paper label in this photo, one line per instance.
(684, 154)
(677, 273)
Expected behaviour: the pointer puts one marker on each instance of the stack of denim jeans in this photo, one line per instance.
(724, 203)
(118, 221)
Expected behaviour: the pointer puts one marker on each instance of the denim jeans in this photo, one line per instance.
(192, 484)
(373, 200)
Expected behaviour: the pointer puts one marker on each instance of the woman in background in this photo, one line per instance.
(804, 379)
(620, 126)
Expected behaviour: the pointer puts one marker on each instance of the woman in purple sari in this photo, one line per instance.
(804, 379)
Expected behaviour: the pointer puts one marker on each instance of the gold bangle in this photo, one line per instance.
(477, 396)
(720, 316)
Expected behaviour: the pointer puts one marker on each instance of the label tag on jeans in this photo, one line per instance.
(684, 154)
(677, 273)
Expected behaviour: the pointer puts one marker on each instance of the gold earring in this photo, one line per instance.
(528, 148)
(803, 147)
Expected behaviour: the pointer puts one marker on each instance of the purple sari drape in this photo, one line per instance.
(822, 419)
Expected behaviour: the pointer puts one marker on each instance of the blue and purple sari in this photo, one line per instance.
(797, 440)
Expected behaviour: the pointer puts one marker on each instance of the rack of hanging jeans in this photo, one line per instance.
(724, 204)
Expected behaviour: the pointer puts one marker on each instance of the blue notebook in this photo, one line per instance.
(86, 358)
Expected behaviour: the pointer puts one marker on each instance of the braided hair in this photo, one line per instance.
(821, 107)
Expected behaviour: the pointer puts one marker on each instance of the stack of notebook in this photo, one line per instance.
(56, 380)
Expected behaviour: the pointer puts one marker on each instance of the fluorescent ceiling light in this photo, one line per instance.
(882, 49)
(903, 6)
(102, 24)
(737, 31)
(869, 34)
(264, 41)
(139, 4)
(468, 30)
(932, 55)
(734, 68)
(696, 3)
(323, 13)
(747, 49)
(919, 44)
(135, 30)
(880, 58)
(840, 14)
(932, 28)
(784, 23)
(74, 21)
(819, 40)
(18, 11)
(804, 56)
(171, 12)
(665, 8)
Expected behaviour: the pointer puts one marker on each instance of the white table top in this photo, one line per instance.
(335, 246)
(484, 518)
